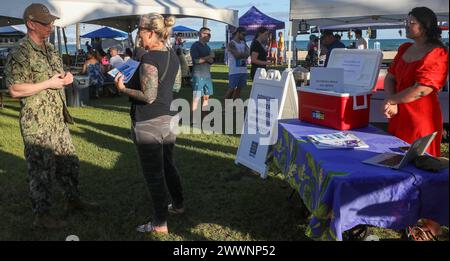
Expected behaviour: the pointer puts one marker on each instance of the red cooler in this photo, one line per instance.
(348, 107)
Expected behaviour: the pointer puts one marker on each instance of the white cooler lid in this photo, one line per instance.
(361, 68)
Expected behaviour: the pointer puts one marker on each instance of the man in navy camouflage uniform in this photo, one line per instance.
(35, 74)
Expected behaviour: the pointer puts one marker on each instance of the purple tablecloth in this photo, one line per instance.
(341, 192)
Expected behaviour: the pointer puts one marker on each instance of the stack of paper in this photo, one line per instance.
(338, 140)
(127, 69)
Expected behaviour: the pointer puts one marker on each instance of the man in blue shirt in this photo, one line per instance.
(202, 58)
(331, 42)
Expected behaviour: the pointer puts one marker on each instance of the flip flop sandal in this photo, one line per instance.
(357, 233)
(417, 233)
(149, 228)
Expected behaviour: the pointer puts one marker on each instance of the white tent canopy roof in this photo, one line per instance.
(339, 12)
(121, 14)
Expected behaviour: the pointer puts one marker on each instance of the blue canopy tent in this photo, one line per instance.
(9, 36)
(186, 32)
(109, 34)
(254, 18)
(105, 32)
(11, 30)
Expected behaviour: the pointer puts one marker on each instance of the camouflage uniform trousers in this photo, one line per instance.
(51, 155)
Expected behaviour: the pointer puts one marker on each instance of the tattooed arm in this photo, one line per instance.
(410, 94)
(178, 80)
(149, 84)
(413, 93)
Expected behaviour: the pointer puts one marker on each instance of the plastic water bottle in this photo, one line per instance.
(376, 45)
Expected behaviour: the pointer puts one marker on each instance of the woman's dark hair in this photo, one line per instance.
(259, 31)
(428, 20)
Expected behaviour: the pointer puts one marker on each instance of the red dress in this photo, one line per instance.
(423, 116)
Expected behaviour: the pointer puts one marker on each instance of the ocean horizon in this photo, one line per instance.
(385, 44)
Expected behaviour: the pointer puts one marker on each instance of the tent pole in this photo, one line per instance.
(205, 21)
(52, 38)
(77, 36)
(69, 62)
(58, 32)
(318, 44)
(130, 39)
(294, 46)
(290, 45)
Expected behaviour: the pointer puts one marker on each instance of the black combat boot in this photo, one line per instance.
(45, 220)
(79, 205)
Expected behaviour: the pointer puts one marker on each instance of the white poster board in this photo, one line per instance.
(273, 97)
(327, 79)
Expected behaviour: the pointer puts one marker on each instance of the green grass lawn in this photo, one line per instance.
(223, 201)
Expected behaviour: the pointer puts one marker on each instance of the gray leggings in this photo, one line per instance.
(155, 143)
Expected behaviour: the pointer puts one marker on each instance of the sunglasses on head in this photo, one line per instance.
(143, 29)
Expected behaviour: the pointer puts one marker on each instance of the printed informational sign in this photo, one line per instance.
(352, 65)
(358, 66)
(273, 96)
(327, 79)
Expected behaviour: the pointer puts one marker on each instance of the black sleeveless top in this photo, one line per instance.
(142, 111)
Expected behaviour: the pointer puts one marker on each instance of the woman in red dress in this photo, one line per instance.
(418, 72)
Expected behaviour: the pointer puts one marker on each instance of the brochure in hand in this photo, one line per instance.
(127, 69)
(338, 140)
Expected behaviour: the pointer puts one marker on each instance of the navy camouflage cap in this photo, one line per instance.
(39, 13)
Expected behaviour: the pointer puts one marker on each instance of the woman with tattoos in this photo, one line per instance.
(418, 72)
(150, 98)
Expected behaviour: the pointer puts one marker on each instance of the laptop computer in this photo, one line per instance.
(397, 161)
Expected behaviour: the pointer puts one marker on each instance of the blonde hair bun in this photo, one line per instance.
(169, 21)
(157, 23)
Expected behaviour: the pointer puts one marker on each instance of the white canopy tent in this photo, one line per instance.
(119, 14)
(339, 12)
(327, 13)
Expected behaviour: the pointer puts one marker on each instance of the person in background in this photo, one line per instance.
(151, 119)
(312, 48)
(337, 36)
(88, 47)
(179, 50)
(330, 41)
(281, 48)
(95, 71)
(258, 53)
(361, 43)
(273, 47)
(115, 60)
(128, 54)
(97, 44)
(179, 42)
(312, 44)
(103, 58)
(238, 52)
(202, 59)
(418, 72)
